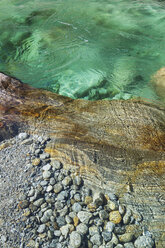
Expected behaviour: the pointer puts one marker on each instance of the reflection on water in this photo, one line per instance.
(96, 49)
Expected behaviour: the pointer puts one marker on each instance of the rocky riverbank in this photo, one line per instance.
(44, 205)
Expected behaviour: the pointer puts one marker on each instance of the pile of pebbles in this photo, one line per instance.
(59, 210)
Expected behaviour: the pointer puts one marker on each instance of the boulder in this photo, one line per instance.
(115, 145)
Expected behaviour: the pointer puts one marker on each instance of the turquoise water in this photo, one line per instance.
(105, 49)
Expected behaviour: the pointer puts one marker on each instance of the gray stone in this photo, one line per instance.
(37, 151)
(107, 236)
(58, 187)
(38, 202)
(41, 228)
(98, 199)
(52, 181)
(109, 226)
(44, 156)
(31, 192)
(75, 239)
(27, 142)
(119, 246)
(57, 165)
(77, 180)
(65, 230)
(62, 195)
(93, 230)
(110, 245)
(58, 205)
(44, 183)
(82, 228)
(127, 216)
(96, 239)
(77, 197)
(114, 239)
(126, 237)
(129, 245)
(72, 214)
(46, 167)
(68, 219)
(111, 196)
(57, 233)
(121, 209)
(60, 221)
(23, 136)
(64, 211)
(46, 174)
(76, 207)
(84, 216)
(47, 214)
(49, 188)
(144, 242)
(3, 238)
(67, 181)
(103, 215)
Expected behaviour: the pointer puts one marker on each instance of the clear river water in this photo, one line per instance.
(91, 49)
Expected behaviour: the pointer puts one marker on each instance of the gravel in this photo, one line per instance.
(43, 205)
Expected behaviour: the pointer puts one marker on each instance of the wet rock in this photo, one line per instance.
(41, 228)
(115, 217)
(84, 216)
(144, 242)
(125, 238)
(129, 245)
(46, 174)
(58, 187)
(82, 228)
(75, 239)
(107, 236)
(76, 207)
(96, 239)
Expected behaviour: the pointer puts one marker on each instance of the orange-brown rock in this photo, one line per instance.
(116, 145)
(158, 82)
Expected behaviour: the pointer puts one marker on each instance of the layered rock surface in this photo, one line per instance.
(117, 145)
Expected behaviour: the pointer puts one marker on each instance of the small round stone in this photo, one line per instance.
(107, 236)
(96, 239)
(115, 217)
(103, 215)
(23, 136)
(126, 237)
(110, 226)
(41, 228)
(56, 165)
(76, 207)
(52, 181)
(36, 161)
(82, 228)
(58, 187)
(46, 167)
(49, 188)
(77, 180)
(67, 181)
(46, 174)
(129, 245)
(84, 216)
(57, 233)
(144, 242)
(38, 202)
(88, 199)
(75, 239)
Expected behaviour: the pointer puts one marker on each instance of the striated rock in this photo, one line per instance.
(116, 145)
